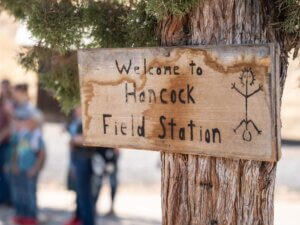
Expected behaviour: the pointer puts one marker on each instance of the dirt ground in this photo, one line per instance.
(132, 207)
(138, 199)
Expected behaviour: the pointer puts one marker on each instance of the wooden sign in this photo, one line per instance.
(213, 100)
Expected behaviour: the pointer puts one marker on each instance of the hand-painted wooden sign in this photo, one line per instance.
(213, 100)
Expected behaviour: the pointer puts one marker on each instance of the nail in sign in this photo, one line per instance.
(215, 100)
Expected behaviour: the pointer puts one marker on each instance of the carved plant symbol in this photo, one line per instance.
(247, 79)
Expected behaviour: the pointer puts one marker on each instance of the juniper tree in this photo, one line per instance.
(195, 189)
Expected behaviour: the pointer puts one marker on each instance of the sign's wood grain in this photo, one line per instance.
(216, 101)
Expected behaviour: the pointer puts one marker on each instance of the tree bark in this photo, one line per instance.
(208, 190)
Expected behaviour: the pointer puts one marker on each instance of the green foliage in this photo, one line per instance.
(58, 74)
(290, 9)
(104, 20)
(289, 21)
(63, 84)
(138, 17)
(56, 25)
(162, 8)
(17, 7)
(68, 24)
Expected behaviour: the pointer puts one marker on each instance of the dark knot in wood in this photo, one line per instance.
(206, 185)
(214, 222)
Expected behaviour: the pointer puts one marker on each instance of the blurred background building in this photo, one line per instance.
(12, 37)
(290, 112)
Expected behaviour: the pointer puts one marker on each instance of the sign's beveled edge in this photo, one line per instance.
(269, 45)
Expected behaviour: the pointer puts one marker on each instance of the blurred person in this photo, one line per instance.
(5, 134)
(6, 91)
(22, 106)
(81, 158)
(85, 171)
(105, 165)
(72, 128)
(28, 157)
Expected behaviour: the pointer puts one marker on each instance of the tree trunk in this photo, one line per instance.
(208, 190)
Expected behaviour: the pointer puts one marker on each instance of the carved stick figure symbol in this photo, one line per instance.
(247, 79)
